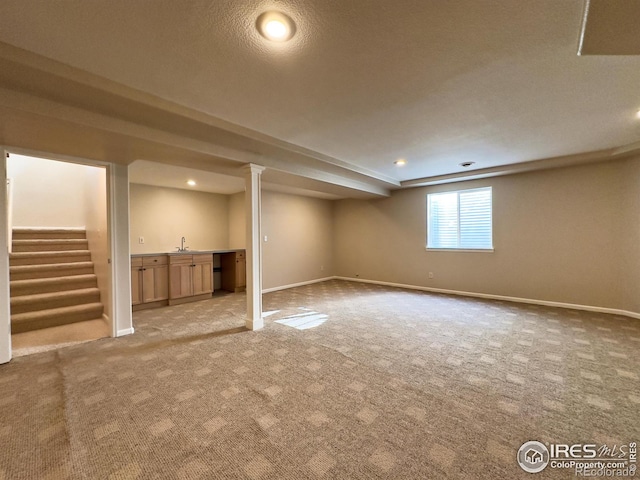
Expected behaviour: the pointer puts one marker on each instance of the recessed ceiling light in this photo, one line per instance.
(276, 26)
(638, 114)
(466, 164)
(191, 183)
(400, 162)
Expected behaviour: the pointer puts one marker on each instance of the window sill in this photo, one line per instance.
(463, 250)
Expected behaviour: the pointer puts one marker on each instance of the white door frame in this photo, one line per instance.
(118, 221)
(5, 298)
(117, 177)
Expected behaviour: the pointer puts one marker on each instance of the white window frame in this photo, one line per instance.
(456, 249)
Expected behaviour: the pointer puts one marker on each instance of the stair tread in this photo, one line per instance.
(48, 229)
(28, 233)
(49, 253)
(47, 241)
(50, 270)
(53, 280)
(28, 316)
(37, 297)
(57, 256)
(51, 266)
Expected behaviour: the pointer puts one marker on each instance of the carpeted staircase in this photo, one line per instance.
(52, 279)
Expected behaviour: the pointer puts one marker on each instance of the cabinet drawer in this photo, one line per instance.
(203, 258)
(155, 260)
(136, 261)
(180, 259)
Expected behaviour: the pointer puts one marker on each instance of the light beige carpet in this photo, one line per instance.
(45, 339)
(390, 384)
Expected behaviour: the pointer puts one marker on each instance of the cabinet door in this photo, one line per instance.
(161, 282)
(180, 281)
(202, 278)
(136, 284)
(155, 283)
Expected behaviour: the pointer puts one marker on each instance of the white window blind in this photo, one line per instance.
(460, 220)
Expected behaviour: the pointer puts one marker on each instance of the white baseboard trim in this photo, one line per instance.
(126, 331)
(629, 313)
(573, 306)
(300, 284)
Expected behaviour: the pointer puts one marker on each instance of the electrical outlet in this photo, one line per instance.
(430, 274)
(266, 238)
(141, 240)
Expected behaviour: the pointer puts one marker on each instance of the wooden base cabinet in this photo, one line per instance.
(149, 280)
(190, 277)
(136, 281)
(234, 271)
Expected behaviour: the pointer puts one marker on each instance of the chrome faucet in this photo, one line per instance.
(182, 248)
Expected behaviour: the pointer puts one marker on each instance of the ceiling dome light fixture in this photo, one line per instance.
(638, 114)
(191, 183)
(276, 26)
(400, 162)
(466, 164)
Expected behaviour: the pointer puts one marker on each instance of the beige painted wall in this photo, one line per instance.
(47, 193)
(631, 235)
(237, 221)
(300, 239)
(556, 238)
(163, 215)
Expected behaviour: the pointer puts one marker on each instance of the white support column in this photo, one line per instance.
(5, 310)
(253, 209)
(122, 319)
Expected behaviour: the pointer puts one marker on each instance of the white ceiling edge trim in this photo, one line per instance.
(629, 149)
(301, 192)
(583, 26)
(333, 179)
(531, 166)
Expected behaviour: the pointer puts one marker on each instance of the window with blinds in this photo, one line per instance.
(460, 220)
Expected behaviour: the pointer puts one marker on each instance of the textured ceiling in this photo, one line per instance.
(150, 173)
(363, 81)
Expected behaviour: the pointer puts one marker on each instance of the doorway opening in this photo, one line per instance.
(60, 272)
